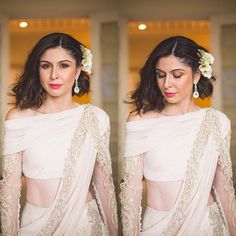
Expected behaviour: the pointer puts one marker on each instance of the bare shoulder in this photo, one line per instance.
(133, 116)
(16, 113)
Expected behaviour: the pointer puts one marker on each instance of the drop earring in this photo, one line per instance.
(195, 92)
(76, 88)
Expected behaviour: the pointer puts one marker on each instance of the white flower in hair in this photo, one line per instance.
(87, 60)
(206, 60)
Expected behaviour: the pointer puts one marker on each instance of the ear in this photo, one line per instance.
(196, 76)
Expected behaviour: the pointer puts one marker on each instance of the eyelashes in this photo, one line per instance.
(48, 65)
(162, 76)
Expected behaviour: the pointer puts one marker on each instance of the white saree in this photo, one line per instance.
(72, 146)
(188, 155)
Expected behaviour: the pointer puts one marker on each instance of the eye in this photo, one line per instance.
(44, 65)
(177, 75)
(64, 65)
(160, 75)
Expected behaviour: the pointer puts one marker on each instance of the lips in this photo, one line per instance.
(169, 95)
(55, 86)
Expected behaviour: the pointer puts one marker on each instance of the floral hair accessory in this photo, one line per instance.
(87, 60)
(206, 60)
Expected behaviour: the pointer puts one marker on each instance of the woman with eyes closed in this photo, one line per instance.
(61, 147)
(180, 151)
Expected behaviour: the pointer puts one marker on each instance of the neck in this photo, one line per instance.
(57, 105)
(179, 109)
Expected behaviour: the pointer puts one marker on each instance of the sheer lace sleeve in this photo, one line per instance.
(223, 185)
(103, 184)
(10, 188)
(131, 195)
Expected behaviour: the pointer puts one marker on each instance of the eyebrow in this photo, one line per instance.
(156, 69)
(59, 61)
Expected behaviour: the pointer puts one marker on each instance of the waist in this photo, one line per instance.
(162, 195)
(42, 193)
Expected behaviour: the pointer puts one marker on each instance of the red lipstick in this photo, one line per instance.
(55, 86)
(169, 95)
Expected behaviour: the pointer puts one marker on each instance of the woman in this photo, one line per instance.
(61, 147)
(180, 150)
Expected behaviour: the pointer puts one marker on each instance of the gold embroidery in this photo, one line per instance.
(104, 160)
(226, 166)
(217, 222)
(95, 221)
(8, 164)
(9, 197)
(98, 201)
(8, 225)
(129, 212)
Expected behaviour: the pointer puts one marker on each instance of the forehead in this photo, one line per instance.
(171, 63)
(57, 53)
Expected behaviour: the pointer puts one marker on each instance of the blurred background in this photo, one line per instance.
(121, 34)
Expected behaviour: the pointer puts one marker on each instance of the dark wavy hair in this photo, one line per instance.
(28, 91)
(147, 96)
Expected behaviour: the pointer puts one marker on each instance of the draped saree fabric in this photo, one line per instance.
(74, 140)
(187, 148)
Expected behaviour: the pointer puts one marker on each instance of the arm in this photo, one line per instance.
(223, 185)
(103, 185)
(131, 196)
(10, 188)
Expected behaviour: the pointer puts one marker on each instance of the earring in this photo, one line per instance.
(195, 93)
(76, 88)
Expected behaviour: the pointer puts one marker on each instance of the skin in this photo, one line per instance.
(175, 80)
(57, 67)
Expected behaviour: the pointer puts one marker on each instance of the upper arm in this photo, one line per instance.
(13, 113)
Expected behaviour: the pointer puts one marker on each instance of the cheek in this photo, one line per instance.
(160, 83)
(69, 76)
(43, 77)
(42, 80)
(185, 87)
(187, 84)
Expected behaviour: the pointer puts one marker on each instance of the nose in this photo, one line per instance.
(167, 82)
(54, 73)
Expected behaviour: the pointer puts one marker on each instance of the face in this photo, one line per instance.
(57, 72)
(175, 80)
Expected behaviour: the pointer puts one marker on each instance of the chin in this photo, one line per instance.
(172, 101)
(54, 94)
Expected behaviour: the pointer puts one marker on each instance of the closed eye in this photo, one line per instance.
(160, 75)
(177, 76)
